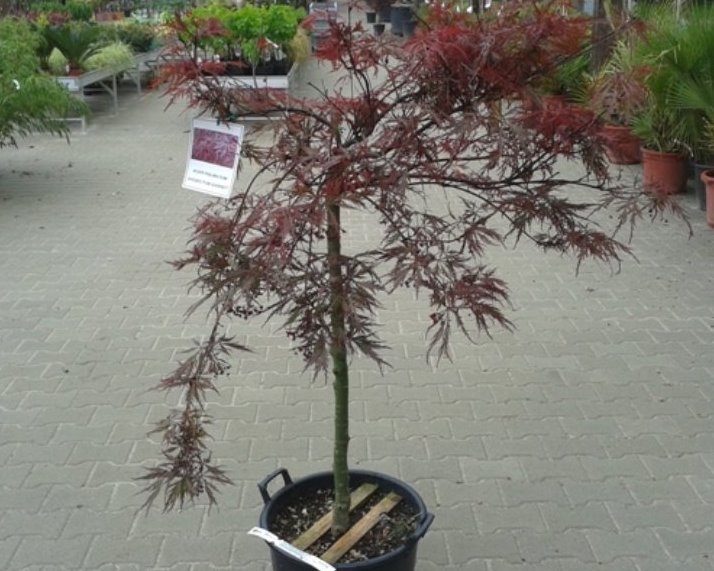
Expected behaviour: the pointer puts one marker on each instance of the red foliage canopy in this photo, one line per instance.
(430, 138)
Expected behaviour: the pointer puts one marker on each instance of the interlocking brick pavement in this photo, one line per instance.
(582, 441)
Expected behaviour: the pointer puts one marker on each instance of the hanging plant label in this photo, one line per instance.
(213, 155)
(298, 554)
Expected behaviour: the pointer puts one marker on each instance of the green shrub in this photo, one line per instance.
(141, 37)
(117, 55)
(49, 7)
(30, 101)
(80, 11)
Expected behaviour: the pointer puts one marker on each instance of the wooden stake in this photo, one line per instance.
(322, 525)
(360, 529)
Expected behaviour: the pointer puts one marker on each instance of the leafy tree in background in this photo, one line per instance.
(30, 101)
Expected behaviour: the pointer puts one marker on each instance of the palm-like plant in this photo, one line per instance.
(691, 67)
(76, 41)
(656, 123)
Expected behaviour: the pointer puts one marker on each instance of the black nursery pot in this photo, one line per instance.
(401, 559)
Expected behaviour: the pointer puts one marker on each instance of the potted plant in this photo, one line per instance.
(691, 66)
(76, 41)
(664, 150)
(617, 93)
(399, 149)
(664, 158)
(249, 41)
(140, 36)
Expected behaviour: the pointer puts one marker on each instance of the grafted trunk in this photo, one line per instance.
(338, 352)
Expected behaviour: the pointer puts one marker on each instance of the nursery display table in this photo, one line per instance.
(278, 82)
(144, 62)
(105, 79)
(261, 81)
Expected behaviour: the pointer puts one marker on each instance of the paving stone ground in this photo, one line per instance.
(583, 441)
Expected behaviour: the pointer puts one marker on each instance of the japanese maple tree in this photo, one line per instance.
(428, 137)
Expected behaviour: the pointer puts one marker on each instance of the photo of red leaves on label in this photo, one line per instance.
(214, 147)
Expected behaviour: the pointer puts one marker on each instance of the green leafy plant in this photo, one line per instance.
(30, 101)
(49, 7)
(248, 26)
(115, 55)
(281, 23)
(690, 64)
(141, 37)
(76, 41)
(252, 32)
(656, 123)
(80, 11)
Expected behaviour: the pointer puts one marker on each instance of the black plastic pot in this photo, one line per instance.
(401, 559)
(378, 29)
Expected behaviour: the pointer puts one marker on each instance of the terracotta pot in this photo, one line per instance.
(621, 146)
(708, 180)
(664, 173)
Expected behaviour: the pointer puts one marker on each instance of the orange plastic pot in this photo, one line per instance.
(664, 173)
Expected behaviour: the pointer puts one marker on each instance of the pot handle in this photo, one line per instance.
(263, 484)
(420, 531)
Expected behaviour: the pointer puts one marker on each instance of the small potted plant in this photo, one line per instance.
(664, 157)
(397, 147)
(664, 150)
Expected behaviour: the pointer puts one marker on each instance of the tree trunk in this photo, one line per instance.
(338, 352)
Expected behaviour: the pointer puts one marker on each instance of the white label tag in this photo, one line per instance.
(213, 155)
(284, 546)
(70, 84)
